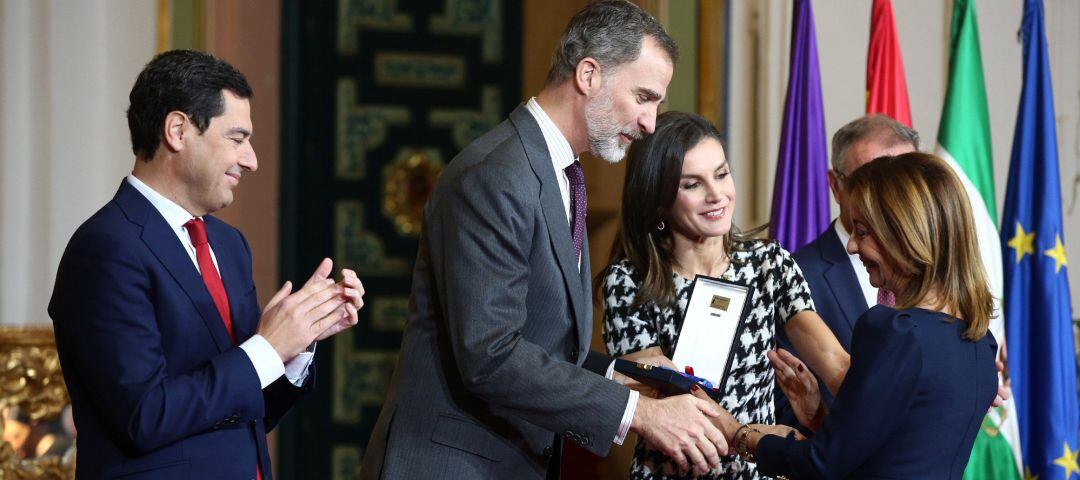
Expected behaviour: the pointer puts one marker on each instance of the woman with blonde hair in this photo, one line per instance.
(922, 374)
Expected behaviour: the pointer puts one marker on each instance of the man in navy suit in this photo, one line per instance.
(838, 281)
(173, 370)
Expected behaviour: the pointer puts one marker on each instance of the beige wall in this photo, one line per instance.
(65, 71)
(66, 68)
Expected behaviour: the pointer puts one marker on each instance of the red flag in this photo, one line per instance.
(886, 88)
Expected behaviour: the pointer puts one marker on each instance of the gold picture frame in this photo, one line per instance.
(32, 394)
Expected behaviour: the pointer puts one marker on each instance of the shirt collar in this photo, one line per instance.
(842, 233)
(174, 214)
(558, 146)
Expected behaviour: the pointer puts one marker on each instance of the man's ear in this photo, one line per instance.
(834, 185)
(174, 129)
(587, 76)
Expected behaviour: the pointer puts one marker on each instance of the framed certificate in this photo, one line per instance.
(713, 322)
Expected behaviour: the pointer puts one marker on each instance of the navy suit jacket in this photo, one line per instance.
(910, 405)
(838, 298)
(158, 390)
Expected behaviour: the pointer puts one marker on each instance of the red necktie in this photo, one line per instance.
(197, 229)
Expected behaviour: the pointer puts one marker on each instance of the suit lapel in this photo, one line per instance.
(843, 282)
(585, 326)
(231, 275)
(161, 240)
(554, 211)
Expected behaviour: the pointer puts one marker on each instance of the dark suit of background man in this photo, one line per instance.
(173, 371)
(838, 281)
(491, 378)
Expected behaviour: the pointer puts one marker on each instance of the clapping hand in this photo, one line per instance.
(799, 385)
(319, 309)
(352, 292)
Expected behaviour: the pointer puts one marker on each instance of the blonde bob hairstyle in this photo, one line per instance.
(918, 211)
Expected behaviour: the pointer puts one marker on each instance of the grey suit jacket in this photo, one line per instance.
(499, 326)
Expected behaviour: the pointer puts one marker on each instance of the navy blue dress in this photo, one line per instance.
(910, 406)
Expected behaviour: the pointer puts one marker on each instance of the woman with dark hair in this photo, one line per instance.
(922, 374)
(677, 208)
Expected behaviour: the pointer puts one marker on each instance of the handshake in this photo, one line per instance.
(691, 429)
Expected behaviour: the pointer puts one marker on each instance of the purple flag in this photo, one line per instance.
(800, 206)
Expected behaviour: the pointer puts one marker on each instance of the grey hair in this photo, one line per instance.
(875, 126)
(609, 31)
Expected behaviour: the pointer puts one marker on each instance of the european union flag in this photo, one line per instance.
(1042, 359)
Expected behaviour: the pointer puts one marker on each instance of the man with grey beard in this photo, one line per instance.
(495, 368)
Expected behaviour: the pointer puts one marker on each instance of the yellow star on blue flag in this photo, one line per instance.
(1057, 253)
(1068, 461)
(1023, 242)
(1036, 306)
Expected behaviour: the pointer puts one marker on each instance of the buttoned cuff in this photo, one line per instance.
(267, 362)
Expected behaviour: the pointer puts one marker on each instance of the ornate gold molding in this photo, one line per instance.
(31, 378)
(31, 381)
(407, 184)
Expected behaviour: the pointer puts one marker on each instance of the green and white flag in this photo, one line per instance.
(964, 142)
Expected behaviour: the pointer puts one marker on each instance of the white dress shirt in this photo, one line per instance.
(267, 362)
(869, 291)
(562, 156)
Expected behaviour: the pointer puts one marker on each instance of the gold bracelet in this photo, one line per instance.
(741, 436)
(740, 440)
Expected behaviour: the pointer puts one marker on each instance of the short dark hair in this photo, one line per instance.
(179, 80)
(610, 31)
(875, 126)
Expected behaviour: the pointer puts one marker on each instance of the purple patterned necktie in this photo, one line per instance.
(577, 204)
(886, 297)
